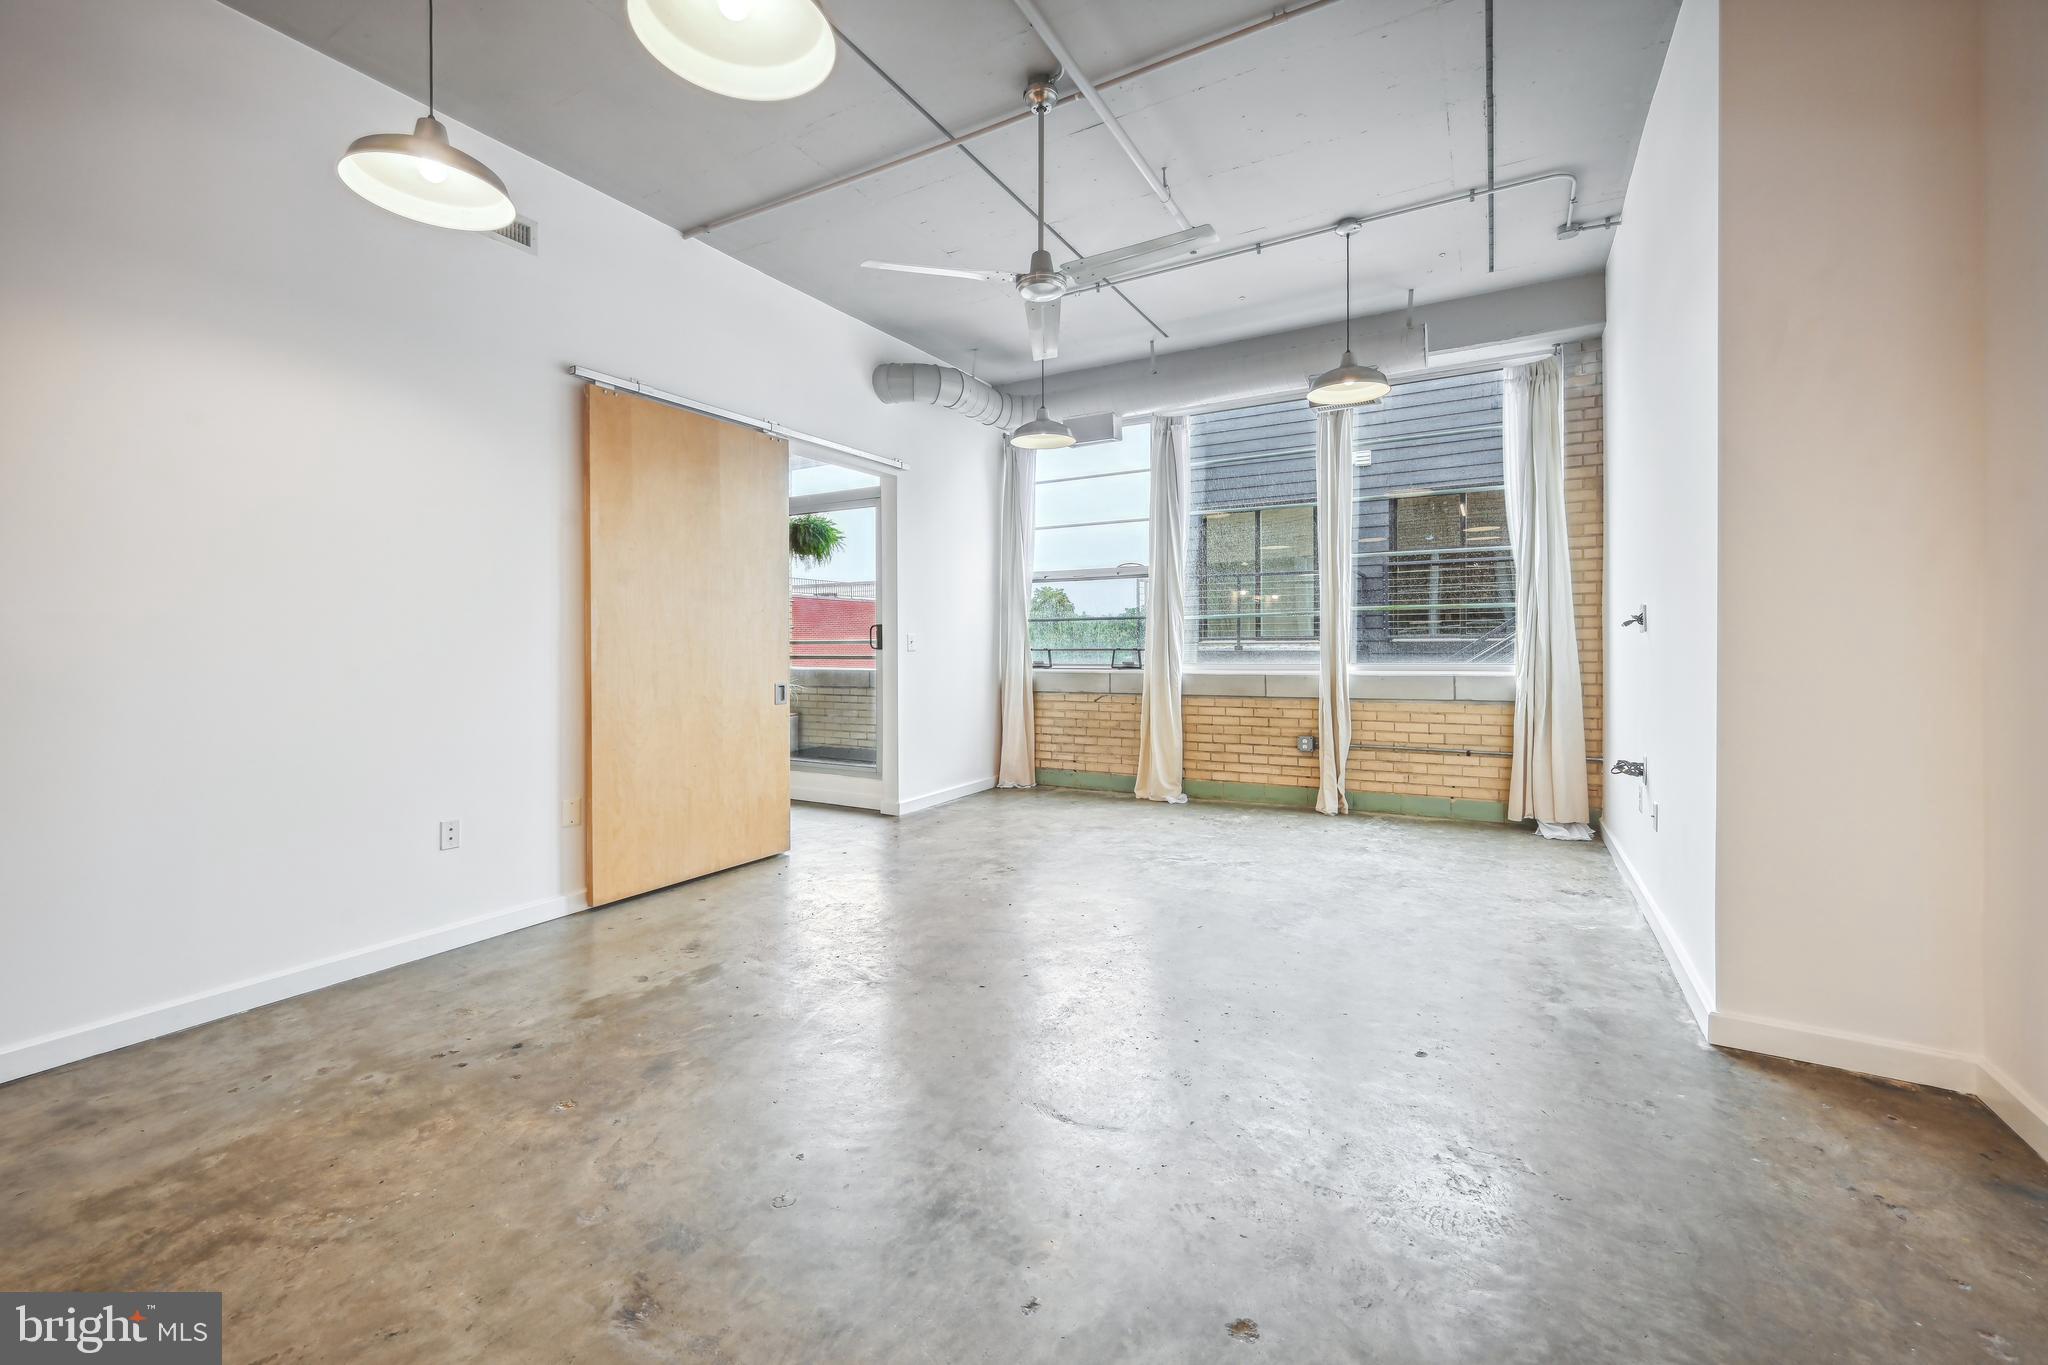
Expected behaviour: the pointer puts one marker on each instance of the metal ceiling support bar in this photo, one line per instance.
(1001, 184)
(1461, 197)
(1489, 143)
(1107, 83)
(740, 419)
(1102, 110)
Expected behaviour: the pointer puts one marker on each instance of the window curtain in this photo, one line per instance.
(1017, 757)
(1160, 751)
(1336, 589)
(1547, 782)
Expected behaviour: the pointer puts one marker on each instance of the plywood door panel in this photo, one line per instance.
(688, 619)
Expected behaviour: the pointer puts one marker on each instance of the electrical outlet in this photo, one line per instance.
(451, 834)
(1305, 743)
(572, 812)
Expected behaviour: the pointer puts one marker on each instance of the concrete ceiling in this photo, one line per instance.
(1361, 106)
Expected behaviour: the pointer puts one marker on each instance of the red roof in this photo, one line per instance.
(826, 619)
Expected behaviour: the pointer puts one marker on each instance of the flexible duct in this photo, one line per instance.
(942, 386)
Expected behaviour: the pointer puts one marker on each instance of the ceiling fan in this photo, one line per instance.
(1041, 286)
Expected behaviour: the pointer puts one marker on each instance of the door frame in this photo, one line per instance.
(831, 784)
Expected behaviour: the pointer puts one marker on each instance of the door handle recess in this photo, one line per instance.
(875, 635)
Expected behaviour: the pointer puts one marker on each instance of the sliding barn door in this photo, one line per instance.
(688, 645)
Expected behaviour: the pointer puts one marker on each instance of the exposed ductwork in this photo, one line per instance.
(1484, 328)
(942, 386)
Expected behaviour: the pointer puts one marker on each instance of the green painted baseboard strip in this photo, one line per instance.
(1299, 798)
(1094, 782)
(1252, 794)
(1429, 807)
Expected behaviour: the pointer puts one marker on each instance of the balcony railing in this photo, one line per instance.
(1087, 641)
(866, 654)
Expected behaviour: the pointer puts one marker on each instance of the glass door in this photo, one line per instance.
(835, 637)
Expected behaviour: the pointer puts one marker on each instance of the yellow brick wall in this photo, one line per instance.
(1251, 739)
(1435, 725)
(1585, 519)
(1085, 732)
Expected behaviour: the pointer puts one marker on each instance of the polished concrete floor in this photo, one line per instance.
(1039, 1076)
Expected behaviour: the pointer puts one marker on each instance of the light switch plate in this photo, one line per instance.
(572, 812)
(451, 834)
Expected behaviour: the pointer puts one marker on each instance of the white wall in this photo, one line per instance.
(2016, 598)
(1662, 457)
(290, 523)
(1851, 869)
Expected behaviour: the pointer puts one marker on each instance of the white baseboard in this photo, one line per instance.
(943, 795)
(2025, 1114)
(1690, 983)
(836, 789)
(89, 1040)
(1847, 1051)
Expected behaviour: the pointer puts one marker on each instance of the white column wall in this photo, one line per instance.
(2016, 589)
(1852, 494)
(1661, 354)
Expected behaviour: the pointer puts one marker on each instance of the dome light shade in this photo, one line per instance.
(1042, 433)
(1351, 383)
(417, 175)
(747, 49)
(1348, 385)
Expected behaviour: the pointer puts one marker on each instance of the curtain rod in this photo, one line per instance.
(760, 424)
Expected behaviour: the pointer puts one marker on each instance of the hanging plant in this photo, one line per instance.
(813, 538)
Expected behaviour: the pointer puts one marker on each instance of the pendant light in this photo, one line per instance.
(748, 49)
(1042, 432)
(1351, 383)
(417, 175)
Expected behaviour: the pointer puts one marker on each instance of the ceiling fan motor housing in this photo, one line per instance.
(1041, 283)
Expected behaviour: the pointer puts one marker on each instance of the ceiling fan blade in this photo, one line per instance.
(1107, 265)
(1044, 321)
(992, 276)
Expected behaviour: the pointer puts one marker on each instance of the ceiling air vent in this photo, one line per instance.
(520, 232)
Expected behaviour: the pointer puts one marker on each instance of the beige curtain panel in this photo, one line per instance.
(1017, 755)
(1160, 750)
(1548, 771)
(1336, 593)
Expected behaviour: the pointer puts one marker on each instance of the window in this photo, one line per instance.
(1089, 553)
(1252, 537)
(1258, 576)
(1436, 580)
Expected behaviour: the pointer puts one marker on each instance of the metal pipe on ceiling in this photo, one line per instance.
(1567, 229)
(1106, 83)
(1490, 235)
(1101, 107)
